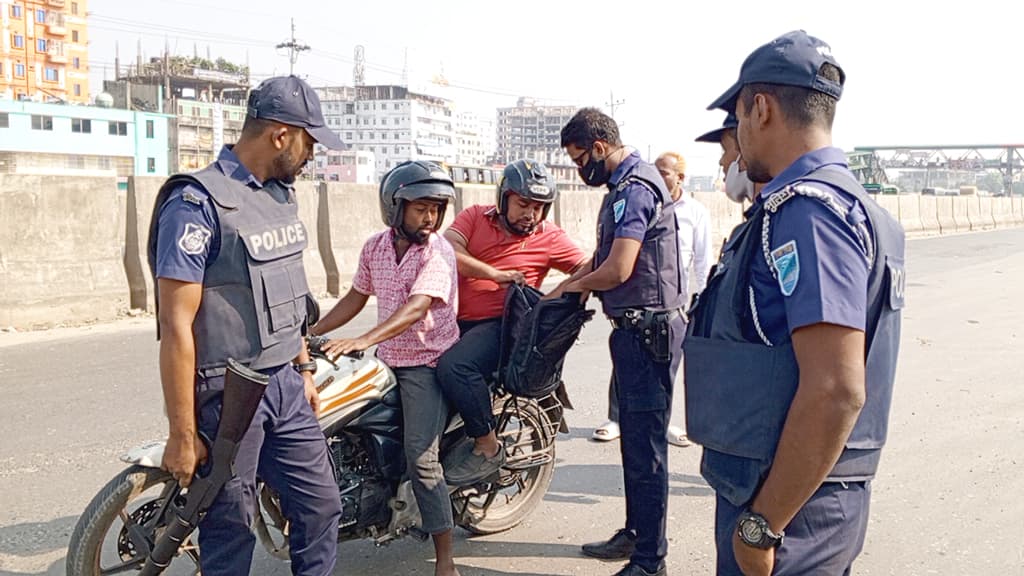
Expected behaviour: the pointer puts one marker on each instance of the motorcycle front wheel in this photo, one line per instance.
(120, 519)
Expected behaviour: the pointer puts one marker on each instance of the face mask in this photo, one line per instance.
(737, 186)
(594, 172)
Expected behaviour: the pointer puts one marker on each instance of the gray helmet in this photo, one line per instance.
(414, 180)
(530, 180)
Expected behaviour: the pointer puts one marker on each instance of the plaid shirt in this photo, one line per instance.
(427, 269)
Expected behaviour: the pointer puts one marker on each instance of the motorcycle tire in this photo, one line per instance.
(83, 558)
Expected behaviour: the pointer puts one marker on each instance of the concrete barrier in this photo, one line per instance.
(142, 191)
(947, 223)
(910, 213)
(307, 196)
(985, 214)
(974, 213)
(963, 224)
(725, 215)
(929, 214)
(467, 195)
(1018, 209)
(349, 214)
(577, 214)
(60, 250)
(891, 204)
(1002, 212)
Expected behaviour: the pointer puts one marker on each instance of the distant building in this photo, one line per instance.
(532, 131)
(353, 166)
(475, 139)
(700, 183)
(44, 51)
(38, 138)
(392, 122)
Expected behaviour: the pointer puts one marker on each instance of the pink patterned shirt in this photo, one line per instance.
(427, 269)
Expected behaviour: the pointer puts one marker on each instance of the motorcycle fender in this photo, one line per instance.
(149, 455)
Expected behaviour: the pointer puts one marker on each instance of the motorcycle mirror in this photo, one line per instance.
(312, 310)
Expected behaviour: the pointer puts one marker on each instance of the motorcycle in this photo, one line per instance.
(361, 418)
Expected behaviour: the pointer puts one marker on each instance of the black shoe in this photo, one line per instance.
(634, 570)
(619, 547)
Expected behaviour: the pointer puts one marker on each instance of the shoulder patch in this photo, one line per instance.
(618, 209)
(192, 198)
(194, 239)
(786, 261)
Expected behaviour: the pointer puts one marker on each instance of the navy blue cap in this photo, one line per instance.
(792, 59)
(289, 100)
(715, 136)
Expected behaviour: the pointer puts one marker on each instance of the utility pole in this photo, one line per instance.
(612, 104)
(294, 48)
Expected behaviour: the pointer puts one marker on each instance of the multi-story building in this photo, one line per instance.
(532, 131)
(475, 139)
(392, 122)
(208, 105)
(41, 138)
(354, 166)
(44, 53)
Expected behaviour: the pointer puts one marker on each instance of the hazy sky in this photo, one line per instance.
(917, 73)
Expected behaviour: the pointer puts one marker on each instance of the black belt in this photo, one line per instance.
(634, 318)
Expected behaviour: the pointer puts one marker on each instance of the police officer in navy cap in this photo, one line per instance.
(225, 247)
(636, 272)
(738, 186)
(791, 349)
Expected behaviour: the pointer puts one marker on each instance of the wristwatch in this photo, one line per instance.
(754, 531)
(305, 367)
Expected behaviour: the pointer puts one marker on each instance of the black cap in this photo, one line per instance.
(715, 136)
(289, 100)
(792, 59)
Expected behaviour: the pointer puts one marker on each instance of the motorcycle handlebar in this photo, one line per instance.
(316, 344)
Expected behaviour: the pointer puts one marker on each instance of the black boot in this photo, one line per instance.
(619, 547)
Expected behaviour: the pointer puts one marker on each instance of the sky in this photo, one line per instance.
(917, 73)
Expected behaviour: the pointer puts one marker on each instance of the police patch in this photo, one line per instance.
(787, 266)
(619, 208)
(194, 239)
(192, 198)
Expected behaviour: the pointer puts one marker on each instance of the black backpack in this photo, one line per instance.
(535, 337)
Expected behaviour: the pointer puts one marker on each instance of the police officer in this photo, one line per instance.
(791, 349)
(225, 247)
(738, 186)
(636, 272)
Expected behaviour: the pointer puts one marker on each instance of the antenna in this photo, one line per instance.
(359, 68)
(294, 48)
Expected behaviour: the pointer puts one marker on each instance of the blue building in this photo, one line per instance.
(62, 139)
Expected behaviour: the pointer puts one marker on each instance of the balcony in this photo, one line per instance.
(56, 53)
(56, 24)
(56, 3)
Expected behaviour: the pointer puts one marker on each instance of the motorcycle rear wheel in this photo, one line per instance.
(123, 500)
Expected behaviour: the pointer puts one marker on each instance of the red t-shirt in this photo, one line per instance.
(488, 241)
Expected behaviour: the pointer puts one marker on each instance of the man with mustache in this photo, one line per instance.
(225, 248)
(511, 241)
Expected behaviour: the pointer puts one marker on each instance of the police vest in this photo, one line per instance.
(739, 389)
(656, 282)
(254, 290)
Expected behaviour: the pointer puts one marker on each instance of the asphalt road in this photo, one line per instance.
(946, 500)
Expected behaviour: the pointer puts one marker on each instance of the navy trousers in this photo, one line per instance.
(285, 446)
(823, 539)
(644, 390)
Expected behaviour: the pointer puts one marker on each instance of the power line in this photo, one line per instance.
(294, 49)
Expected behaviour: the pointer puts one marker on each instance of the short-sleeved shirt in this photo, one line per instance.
(489, 241)
(426, 269)
(815, 265)
(634, 206)
(188, 233)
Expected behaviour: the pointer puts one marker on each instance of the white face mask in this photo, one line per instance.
(737, 186)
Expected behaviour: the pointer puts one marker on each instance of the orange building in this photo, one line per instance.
(44, 50)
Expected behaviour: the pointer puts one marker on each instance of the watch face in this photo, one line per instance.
(751, 530)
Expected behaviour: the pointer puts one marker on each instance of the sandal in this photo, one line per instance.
(607, 432)
(677, 437)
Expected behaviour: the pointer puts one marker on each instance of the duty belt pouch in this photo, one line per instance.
(656, 335)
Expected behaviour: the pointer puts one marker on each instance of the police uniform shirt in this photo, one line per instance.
(188, 234)
(633, 207)
(814, 266)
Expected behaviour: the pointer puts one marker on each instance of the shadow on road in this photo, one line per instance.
(587, 483)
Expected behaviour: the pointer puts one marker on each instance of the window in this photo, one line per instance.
(348, 135)
(41, 16)
(74, 35)
(151, 165)
(19, 70)
(75, 162)
(41, 45)
(51, 74)
(19, 41)
(77, 62)
(81, 125)
(74, 8)
(15, 11)
(78, 89)
(348, 121)
(149, 129)
(117, 128)
(42, 122)
(4, 120)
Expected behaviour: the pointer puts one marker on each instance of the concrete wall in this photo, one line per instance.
(74, 249)
(60, 250)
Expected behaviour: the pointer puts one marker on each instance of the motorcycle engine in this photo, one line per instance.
(364, 492)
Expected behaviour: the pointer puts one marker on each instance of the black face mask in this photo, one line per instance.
(594, 172)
